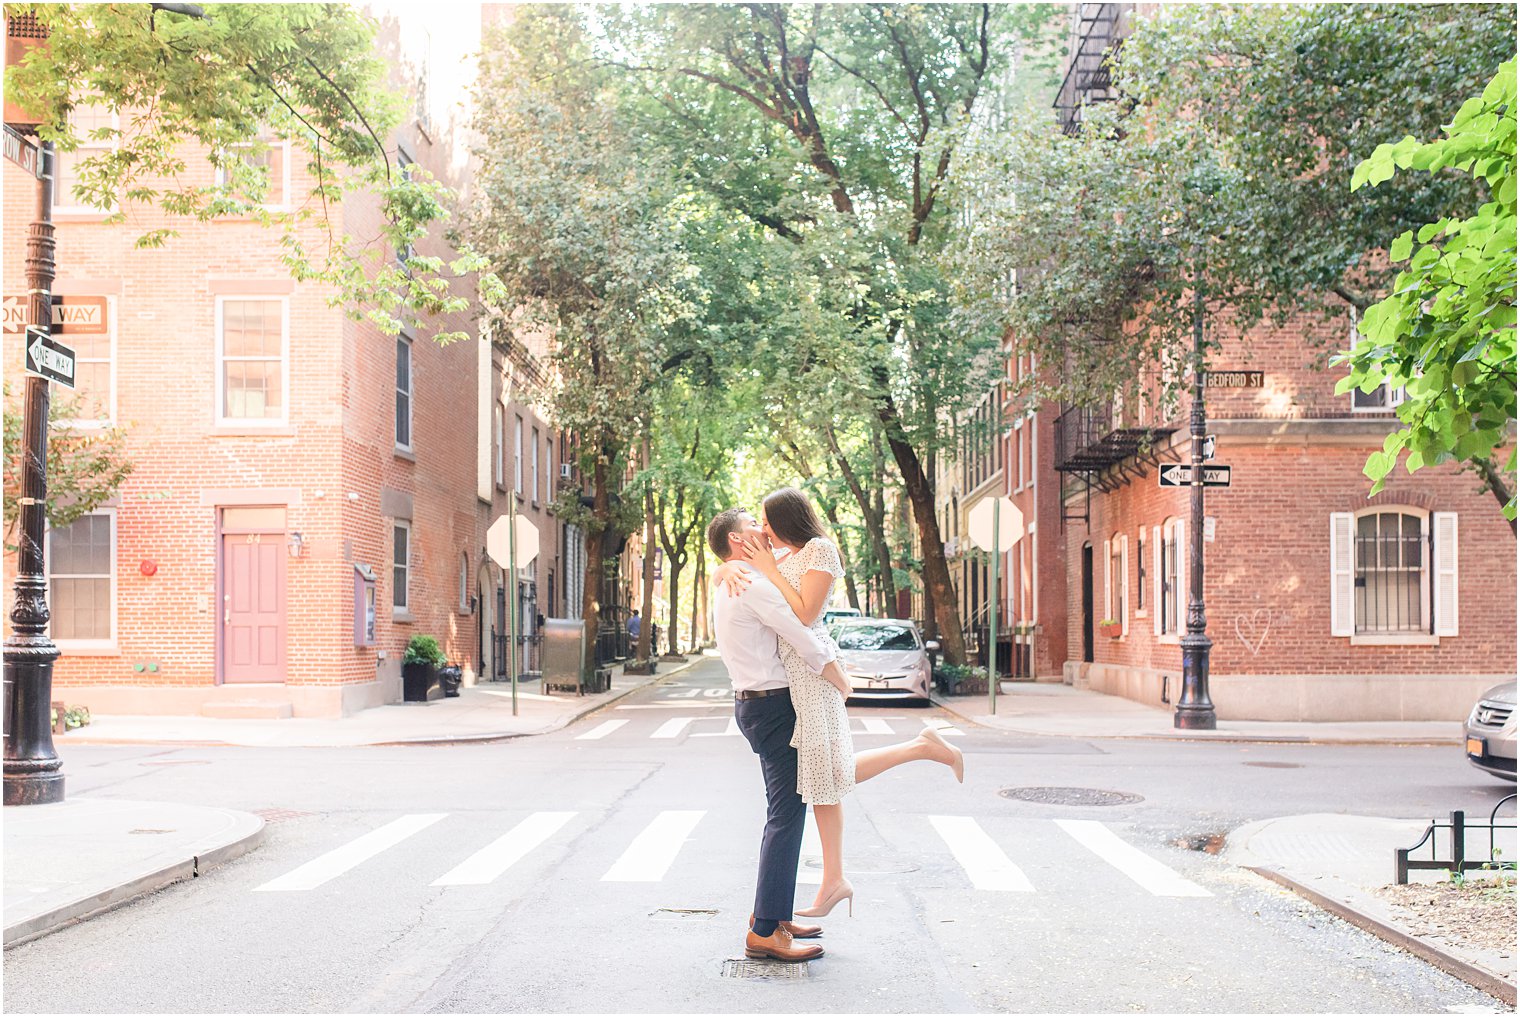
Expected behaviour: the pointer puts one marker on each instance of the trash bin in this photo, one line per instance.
(564, 649)
(451, 677)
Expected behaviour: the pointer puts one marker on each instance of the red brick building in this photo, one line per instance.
(308, 492)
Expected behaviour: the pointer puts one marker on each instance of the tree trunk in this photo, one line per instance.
(645, 648)
(675, 591)
(591, 601)
(1495, 480)
(696, 601)
(874, 533)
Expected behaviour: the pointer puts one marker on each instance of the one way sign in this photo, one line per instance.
(49, 358)
(1181, 475)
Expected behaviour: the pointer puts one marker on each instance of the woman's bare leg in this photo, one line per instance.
(830, 820)
(874, 761)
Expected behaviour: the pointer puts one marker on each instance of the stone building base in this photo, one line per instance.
(1298, 697)
(262, 702)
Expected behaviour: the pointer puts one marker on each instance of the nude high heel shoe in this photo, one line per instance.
(843, 892)
(958, 758)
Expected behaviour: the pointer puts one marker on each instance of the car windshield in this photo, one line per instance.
(876, 637)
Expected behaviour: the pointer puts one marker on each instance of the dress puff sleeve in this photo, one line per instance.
(823, 556)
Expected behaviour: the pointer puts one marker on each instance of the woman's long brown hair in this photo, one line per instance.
(791, 517)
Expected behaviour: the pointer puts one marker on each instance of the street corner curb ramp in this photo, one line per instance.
(76, 859)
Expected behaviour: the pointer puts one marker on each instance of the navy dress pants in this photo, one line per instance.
(767, 723)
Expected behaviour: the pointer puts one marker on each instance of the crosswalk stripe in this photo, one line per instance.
(650, 855)
(985, 863)
(602, 730)
(812, 847)
(732, 728)
(1130, 860)
(943, 726)
(505, 851)
(874, 725)
(339, 860)
(673, 727)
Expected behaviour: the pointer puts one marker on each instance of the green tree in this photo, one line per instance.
(1446, 333)
(835, 128)
(577, 227)
(306, 72)
(85, 468)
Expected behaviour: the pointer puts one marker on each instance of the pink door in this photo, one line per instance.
(253, 607)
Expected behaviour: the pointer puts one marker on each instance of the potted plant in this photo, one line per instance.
(961, 679)
(1110, 628)
(419, 670)
(640, 666)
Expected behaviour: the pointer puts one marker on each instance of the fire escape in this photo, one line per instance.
(1089, 78)
(1095, 450)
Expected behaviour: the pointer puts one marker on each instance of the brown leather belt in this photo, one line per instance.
(759, 693)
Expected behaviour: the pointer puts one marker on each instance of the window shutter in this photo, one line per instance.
(1156, 580)
(1342, 574)
(1124, 585)
(1108, 579)
(1445, 579)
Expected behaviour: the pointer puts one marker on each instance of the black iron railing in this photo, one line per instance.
(1089, 77)
(1458, 860)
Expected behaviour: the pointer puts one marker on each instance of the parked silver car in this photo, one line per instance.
(884, 658)
(1491, 732)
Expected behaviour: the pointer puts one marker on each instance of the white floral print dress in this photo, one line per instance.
(825, 751)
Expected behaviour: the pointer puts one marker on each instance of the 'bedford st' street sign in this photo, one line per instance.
(1181, 475)
(71, 315)
(49, 358)
(1234, 379)
(22, 152)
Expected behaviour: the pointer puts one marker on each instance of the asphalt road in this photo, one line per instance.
(610, 867)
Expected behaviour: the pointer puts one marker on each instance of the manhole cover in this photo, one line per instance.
(1070, 796)
(765, 969)
(1271, 765)
(682, 914)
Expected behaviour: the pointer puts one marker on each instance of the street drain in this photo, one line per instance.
(1273, 765)
(1208, 843)
(1070, 796)
(765, 969)
(682, 914)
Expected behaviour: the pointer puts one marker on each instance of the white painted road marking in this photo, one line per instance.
(985, 863)
(731, 729)
(673, 727)
(602, 730)
(873, 726)
(654, 849)
(1131, 861)
(339, 860)
(812, 847)
(944, 727)
(505, 851)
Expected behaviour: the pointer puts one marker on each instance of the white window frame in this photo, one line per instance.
(1141, 610)
(278, 147)
(402, 585)
(1170, 532)
(221, 375)
(404, 340)
(1439, 590)
(1392, 397)
(1123, 585)
(464, 582)
(109, 420)
(499, 434)
(517, 457)
(63, 197)
(108, 645)
(533, 452)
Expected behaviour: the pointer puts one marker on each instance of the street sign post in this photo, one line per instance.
(1181, 475)
(22, 152)
(512, 543)
(48, 358)
(994, 525)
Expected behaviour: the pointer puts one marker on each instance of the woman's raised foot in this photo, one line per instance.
(957, 758)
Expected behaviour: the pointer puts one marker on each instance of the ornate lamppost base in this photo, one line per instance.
(33, 788)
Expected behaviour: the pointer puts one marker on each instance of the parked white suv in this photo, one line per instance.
(1491, 732)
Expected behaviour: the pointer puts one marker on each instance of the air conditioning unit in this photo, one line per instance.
(564, 471)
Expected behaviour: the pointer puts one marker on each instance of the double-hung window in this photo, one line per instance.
(1168, 543)
(1393, 573)
(404, 393)
(266, 178)
(97, 129)
(253, 360)
(498, 440)
(517, 458)
(401, 566)
(94, 396)
(82, 581)
(534, 449)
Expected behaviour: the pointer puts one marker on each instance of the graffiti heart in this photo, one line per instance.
(1252, 629)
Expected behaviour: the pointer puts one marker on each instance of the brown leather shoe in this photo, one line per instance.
(797, 929)
(778, 946)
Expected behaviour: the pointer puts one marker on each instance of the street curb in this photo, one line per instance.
(87, 907)
(1427, 950)
(1224, 737)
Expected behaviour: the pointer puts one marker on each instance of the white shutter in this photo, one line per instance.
(1108, 579)
(1156, 580)
(1342, 574)
(1124, 585)
(1444, 587)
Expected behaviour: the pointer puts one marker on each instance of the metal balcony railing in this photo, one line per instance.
(1087, 440)
(1089, 76)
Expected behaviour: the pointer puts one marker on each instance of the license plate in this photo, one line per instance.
(1475, 746)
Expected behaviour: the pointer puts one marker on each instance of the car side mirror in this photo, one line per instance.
(932, 646)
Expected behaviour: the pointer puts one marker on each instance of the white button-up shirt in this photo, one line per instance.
(748, 627)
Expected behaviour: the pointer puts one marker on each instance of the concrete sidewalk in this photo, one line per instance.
(1051, 709)
(1338, 862)
(479, 713)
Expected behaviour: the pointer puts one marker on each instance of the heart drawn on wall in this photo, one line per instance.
(1253, 628)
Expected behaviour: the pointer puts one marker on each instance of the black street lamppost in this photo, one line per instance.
(32, 768)
(1195, 711)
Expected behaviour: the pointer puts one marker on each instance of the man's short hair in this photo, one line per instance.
(723, 524)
